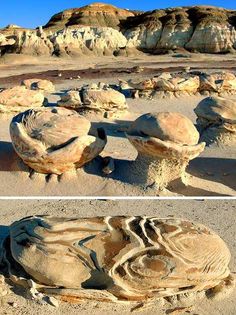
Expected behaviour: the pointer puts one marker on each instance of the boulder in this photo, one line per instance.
(19, 98)
(217, 120)
(98, 98)
(55, 140)
(118, 259)
(165, 142)
(39, 84)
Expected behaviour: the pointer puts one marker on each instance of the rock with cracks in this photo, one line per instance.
(55, 140)
(19, 98)
(119, 259)
(39, 84)
(97, 98)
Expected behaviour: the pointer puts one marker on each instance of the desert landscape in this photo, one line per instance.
(109, 119)
(152, 96)
(19, 297)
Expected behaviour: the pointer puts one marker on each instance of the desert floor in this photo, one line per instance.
(211, 174)
(217, 214)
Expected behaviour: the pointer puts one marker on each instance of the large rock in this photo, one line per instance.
(5, 43)
(103, 29)
(165, 142)
(39, 84)
(19, 98)
(71, 99)
(218, 82)
(201, 28)
(217, 120)
(32, 42)
(178, 84)
(126, 259)
(85, 40)
(95, 15)
(97, 98)
(55, 140)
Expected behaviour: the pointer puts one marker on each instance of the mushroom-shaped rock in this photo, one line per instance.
(19, 98)
(38, 84)
(119, 258)
(165, 142)
(54, 140)
(217, 120)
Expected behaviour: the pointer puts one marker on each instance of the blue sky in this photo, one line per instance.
(29, 13)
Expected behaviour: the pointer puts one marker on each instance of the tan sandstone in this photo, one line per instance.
(55, 140)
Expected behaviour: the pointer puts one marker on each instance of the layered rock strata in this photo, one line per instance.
(55, 140)
(98, 98)
(119, 259)
(104, 29)
(217, 121)
(19, 98)
(180, 84)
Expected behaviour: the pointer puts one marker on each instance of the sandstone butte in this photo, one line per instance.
(103, 29)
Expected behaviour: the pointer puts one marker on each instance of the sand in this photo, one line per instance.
(217, 214)
(213, 173)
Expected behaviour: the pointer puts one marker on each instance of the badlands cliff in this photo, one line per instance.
(103, 29)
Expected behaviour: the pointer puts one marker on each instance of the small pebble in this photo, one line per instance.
(54, 302)
(13, 304)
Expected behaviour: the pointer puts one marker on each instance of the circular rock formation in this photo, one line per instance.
(217, 120)
(19, 98)
(54, 140)
(165, 142)
(118, 258)
(97, 98)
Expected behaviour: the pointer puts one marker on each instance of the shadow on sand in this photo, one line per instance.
(116, 129)
(219, 170)
(217, 166)
(9, 160)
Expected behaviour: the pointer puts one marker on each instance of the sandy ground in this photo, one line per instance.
(217, 214)
(211, 174)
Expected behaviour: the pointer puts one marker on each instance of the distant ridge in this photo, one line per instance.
(104, 29)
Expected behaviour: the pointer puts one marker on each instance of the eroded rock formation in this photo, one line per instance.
(165, 142)
(217, 120)
(200, 28)
(19, 98)
(117, 258)
(39, 84)
(181, 84)
(98, 98)
(55, 140)
(104, 29)
(87, 40)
